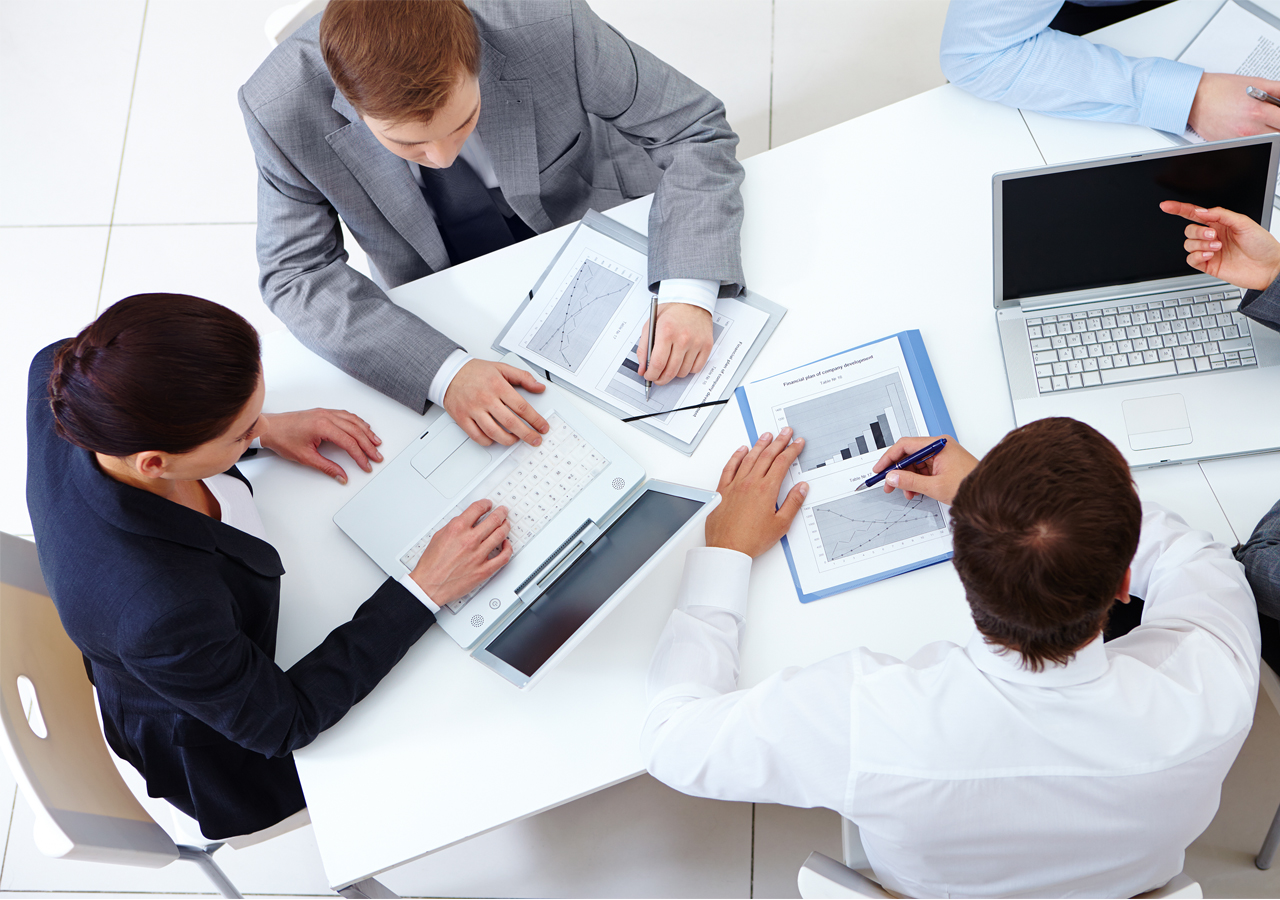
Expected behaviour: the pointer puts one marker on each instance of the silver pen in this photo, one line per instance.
(1257, 94)
(653, 335)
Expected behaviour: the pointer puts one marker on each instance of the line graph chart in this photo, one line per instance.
(860, 523)
(575, 322)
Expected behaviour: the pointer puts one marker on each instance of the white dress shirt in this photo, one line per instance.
(699, 292)
(967, 774)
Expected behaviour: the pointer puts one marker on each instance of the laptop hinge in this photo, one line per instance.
(573, 546)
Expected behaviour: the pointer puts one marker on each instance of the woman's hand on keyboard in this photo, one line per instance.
(1228, 245)
(481, 399)
(457, 560)
(748, 518)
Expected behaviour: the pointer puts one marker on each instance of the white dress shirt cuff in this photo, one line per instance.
(1170, 91)
(717, 578)
(440, 384)
(412, 587)
(698, 292)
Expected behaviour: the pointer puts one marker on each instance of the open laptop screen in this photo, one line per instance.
(1101, 225)
(539, 631)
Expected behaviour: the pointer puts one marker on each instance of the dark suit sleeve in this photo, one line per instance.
(1261, 558)
(199, 659)
(696, 218)
(1263, 306)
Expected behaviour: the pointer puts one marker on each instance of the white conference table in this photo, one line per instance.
(877, 225)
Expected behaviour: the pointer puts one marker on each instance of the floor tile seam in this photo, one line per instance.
(4, 857)
(773, 43)
(124, 144)
(124, 225)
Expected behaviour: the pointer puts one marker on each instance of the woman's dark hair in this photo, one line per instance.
(154, 372)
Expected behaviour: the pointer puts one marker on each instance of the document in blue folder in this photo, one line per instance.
(849, 407)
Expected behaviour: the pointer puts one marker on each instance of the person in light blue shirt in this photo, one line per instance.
(1007, 52)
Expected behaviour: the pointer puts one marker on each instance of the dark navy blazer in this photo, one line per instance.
(176, 615)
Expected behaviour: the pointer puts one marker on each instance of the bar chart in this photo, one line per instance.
(850, 422)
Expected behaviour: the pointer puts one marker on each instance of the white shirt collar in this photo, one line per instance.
(1089, 662)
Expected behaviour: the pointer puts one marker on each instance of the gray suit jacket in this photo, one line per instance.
(574, 116)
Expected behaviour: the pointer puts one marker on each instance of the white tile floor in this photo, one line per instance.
(143, 180)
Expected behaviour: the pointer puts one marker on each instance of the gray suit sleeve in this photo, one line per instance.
(1263, 306)
(696, 218)
(330, 307)
(1261, 558)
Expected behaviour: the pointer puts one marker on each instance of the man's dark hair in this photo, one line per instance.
(399, 60)
(1043, 530)
(154, 372)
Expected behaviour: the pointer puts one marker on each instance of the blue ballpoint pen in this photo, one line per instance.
(918, 457)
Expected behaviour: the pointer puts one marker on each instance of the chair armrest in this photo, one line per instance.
(822, 878)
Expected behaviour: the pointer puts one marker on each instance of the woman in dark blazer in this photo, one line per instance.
(155, 558)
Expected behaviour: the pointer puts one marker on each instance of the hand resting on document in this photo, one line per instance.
(748, 518)
(683, 342)
(1228, 245)
(938, 476)
(464, 553)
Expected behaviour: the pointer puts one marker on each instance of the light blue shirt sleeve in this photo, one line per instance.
(1004, 50)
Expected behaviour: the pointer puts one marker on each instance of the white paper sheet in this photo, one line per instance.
(1236, 41)
(848, 408)
(584, 326)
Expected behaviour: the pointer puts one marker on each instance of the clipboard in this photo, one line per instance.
(640, 243)
(936, 421)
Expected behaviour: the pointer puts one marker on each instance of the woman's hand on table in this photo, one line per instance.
(748, 518)
(938, 476)
(297, 437)
(464, 553)
(1228, 245)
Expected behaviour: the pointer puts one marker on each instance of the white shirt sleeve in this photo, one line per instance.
(1187, 580)
(699, 292)
(440, 384)
(784, 741)
(1007, 53)
(412, 587)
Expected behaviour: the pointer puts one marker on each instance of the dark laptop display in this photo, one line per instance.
(1102, 226)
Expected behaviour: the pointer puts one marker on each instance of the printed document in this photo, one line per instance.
(585, 323)
(849, 408)
(1235, 41)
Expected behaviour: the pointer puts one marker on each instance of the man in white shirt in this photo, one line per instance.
(1031, 761)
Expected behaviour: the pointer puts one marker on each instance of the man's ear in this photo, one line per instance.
(1123, 594)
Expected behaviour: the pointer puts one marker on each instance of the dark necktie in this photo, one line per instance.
(469, 221)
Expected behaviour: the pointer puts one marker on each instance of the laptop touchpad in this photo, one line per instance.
(1156, 422)
(465, 463)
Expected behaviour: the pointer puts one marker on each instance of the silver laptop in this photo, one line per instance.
(585, 527)
(1101, 319)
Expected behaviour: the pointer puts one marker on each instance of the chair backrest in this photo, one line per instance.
(83, 808)
(288, 19)
(822, 878)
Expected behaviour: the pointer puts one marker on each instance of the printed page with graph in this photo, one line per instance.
(585, 322)
(849, 408)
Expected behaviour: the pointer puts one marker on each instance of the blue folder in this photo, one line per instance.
(936, 419)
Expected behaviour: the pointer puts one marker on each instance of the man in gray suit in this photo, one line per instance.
(438, 131)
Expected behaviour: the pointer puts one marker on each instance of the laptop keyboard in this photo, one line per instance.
(1119, 342)
(533, 483)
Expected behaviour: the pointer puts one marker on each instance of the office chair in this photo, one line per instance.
(1270, 687)
(822, 878)
(49, 736)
